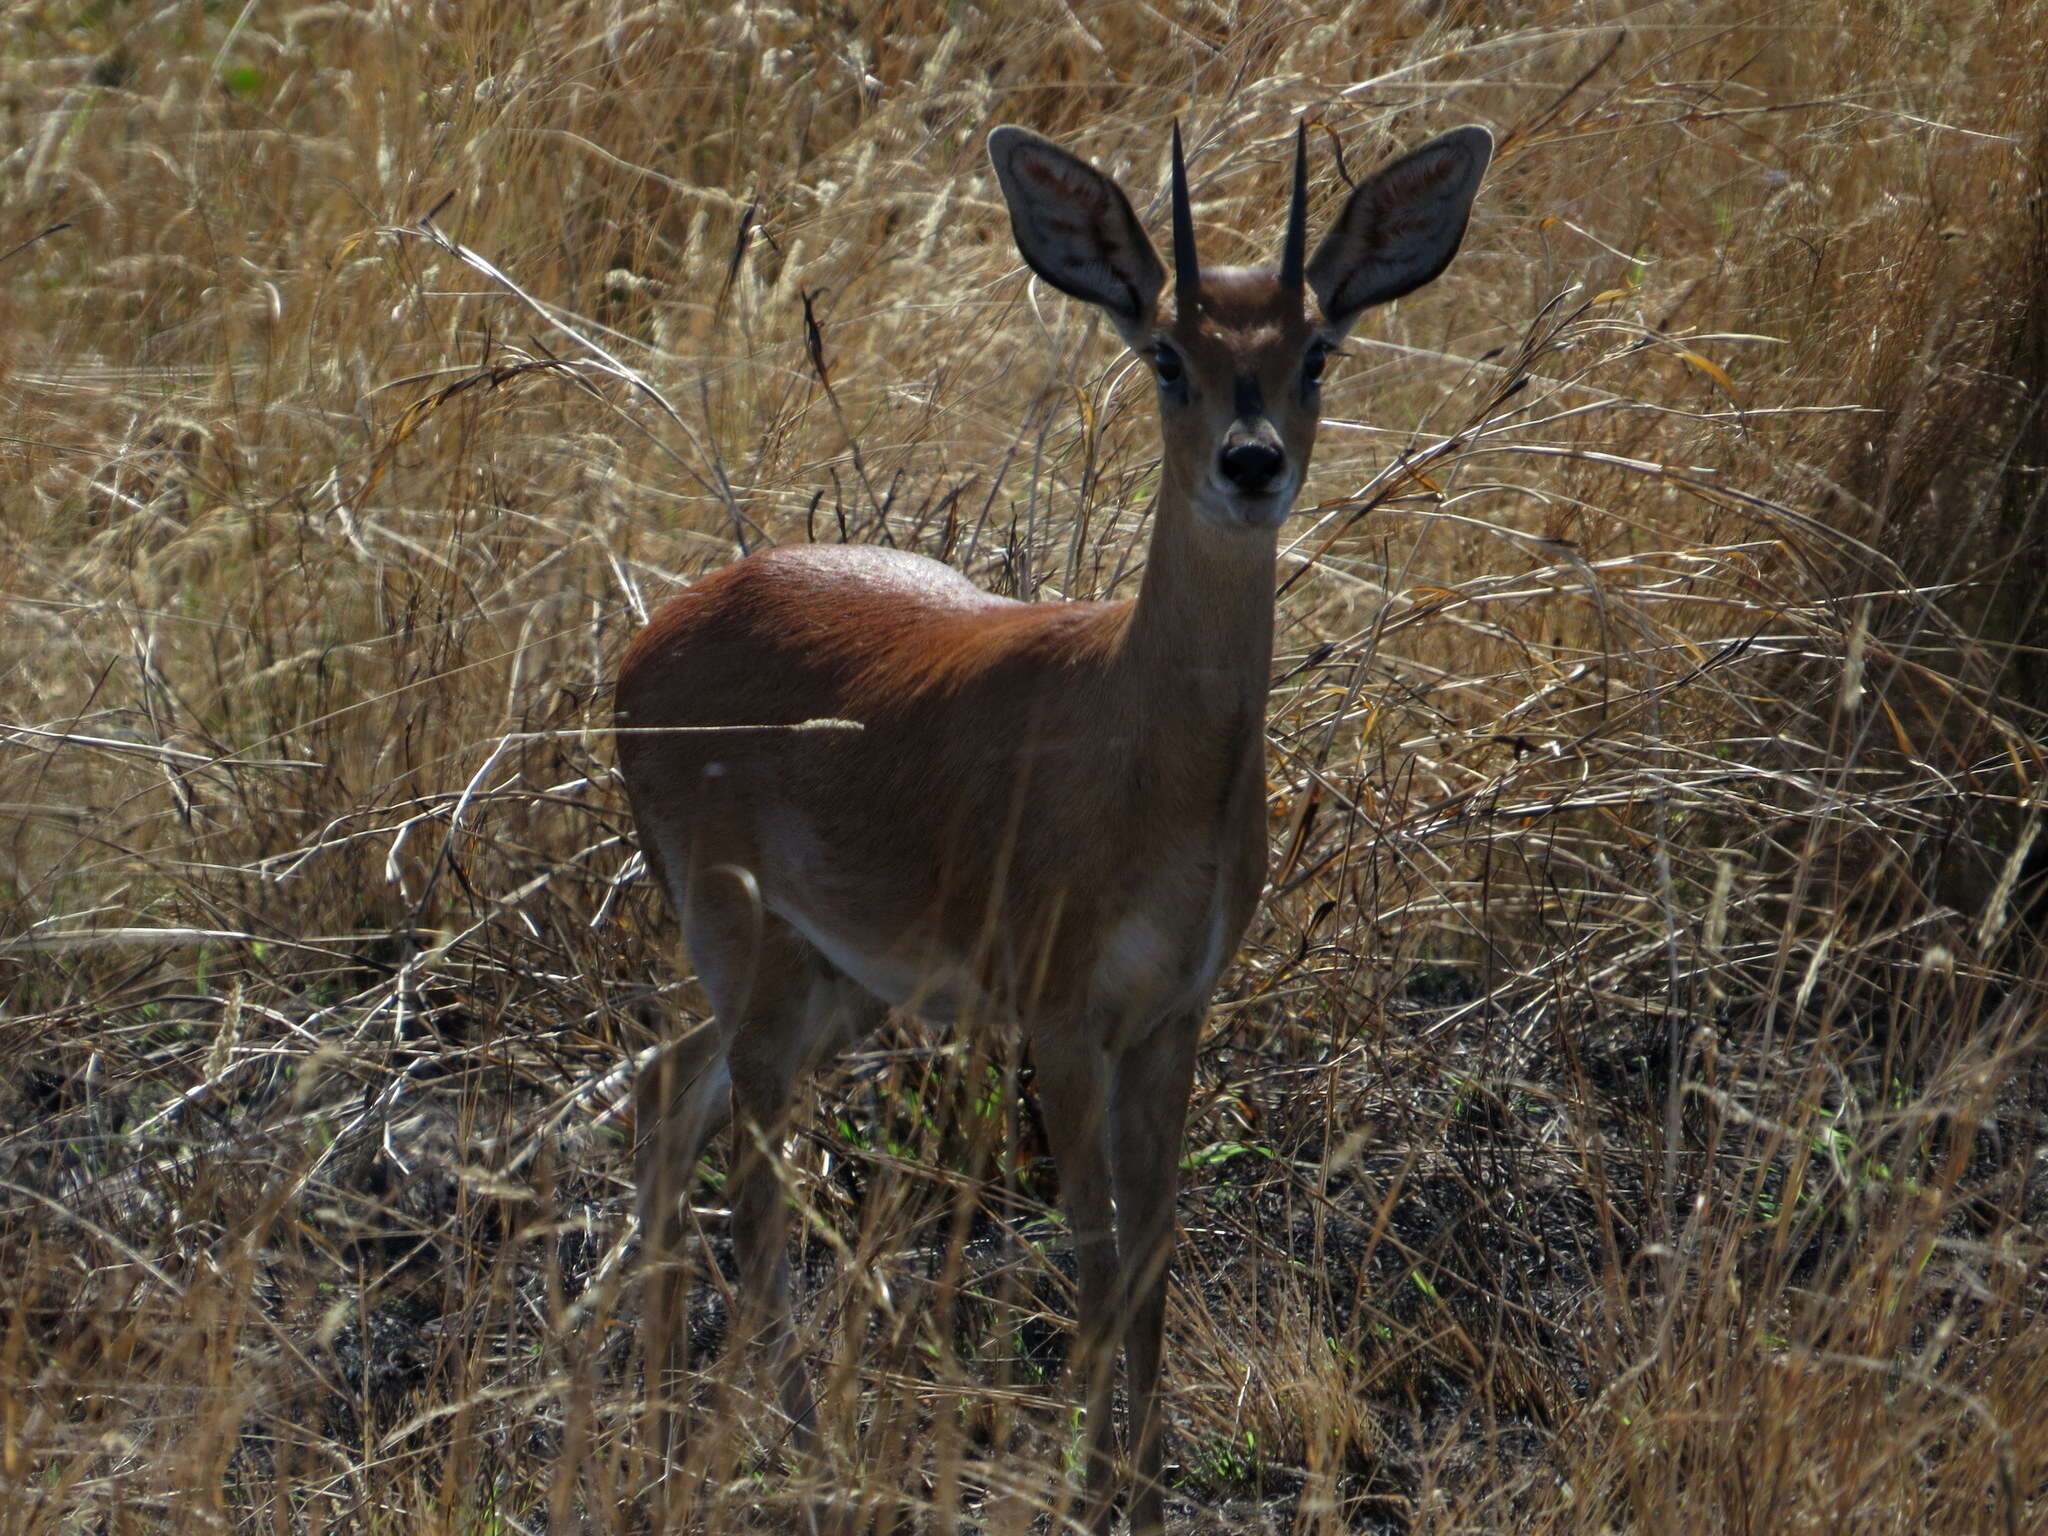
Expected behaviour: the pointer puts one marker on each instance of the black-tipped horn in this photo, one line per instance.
(1294, 249)
(1187, 268)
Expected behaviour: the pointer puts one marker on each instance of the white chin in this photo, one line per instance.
(1233, 511)
(1258, 511)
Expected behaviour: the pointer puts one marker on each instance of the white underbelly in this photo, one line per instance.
(940, 990)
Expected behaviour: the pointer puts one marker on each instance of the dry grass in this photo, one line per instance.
(1627, 1113)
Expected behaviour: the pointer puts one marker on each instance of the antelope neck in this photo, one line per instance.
(1201, 630)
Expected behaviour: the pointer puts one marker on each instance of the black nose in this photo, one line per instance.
(1252, 467)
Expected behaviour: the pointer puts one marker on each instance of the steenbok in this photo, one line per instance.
(1051, 814)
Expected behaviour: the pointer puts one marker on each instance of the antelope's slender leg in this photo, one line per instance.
(778, 1007)
(762, 1084)
(684, 1094)
(816, 1013)
(1148, 1112)
(682, 1098)
(1073, 1097)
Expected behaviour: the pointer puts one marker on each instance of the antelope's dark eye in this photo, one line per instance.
(1167, 364)
(1312, 365)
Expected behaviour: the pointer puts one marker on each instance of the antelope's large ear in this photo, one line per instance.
(1075, 229)
(1401, 227)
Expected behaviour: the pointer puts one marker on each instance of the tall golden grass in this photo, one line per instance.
(1628, 1111)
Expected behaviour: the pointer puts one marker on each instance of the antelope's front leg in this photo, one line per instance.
(1148, 1115)
(1073, 1098)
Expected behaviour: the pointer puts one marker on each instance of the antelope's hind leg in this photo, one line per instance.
(823, 1014)
(682, 1098)
(779, 1009)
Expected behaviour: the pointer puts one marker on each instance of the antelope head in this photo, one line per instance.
(1238, 353)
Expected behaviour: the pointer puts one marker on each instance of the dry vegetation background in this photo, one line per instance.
(1626, 1115)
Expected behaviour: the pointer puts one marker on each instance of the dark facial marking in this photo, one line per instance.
(1249, 400)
